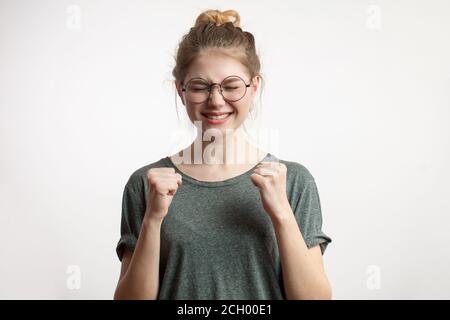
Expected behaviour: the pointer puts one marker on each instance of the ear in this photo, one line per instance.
(180, 93)
(256, 82)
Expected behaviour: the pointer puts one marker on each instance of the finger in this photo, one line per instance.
(257, 179)
(166, 170)
(174, 177)
(272, 164)
(277, 167)
(161, 180)
(179, 179)
(156, 176)
(172, 188)
(269, 169)
(265, 171)
(166, 175)
(156, 171)
(168, 187)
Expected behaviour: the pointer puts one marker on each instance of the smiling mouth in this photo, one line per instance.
(217, 116)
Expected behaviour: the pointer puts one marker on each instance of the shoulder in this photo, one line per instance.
(138, 178)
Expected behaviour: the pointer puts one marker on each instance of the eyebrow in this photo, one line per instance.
(209, 80)
(204, 78)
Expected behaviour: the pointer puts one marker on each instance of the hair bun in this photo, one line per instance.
(219, 17)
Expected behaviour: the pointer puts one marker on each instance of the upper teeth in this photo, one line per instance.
(222, 116)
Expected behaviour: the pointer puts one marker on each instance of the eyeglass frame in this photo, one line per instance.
(184, 87)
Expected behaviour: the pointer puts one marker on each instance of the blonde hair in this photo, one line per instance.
(214, 30)
(219, 31)
(218, 17)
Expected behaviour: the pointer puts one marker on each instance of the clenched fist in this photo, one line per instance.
(163, 183)
(270, 179)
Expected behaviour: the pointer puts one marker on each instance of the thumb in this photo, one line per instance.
(257, 179)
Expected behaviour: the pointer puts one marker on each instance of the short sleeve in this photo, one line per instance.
(133, 208)
(308, 214)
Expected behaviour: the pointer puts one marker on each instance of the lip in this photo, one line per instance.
(216, 113)
(216, 121)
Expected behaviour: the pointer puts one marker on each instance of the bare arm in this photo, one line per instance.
(139, 276)
(303, 271)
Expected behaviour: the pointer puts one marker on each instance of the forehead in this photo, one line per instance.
(214, 67)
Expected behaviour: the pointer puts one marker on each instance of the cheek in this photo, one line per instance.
(242, 110)
(192, 114)
(192, 111)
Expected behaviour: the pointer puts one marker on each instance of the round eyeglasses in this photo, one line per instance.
(232, 89)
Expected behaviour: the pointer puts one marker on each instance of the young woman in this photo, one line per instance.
(201, 225)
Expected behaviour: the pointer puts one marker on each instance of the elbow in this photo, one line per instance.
(123, 294)
(313, 296)
(130, 296)
(117, 295)
(118, 292)
(324, 293)
(327, 295)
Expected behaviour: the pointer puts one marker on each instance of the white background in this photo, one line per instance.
(358, 91)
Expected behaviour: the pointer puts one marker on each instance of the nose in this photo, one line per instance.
(215, 95)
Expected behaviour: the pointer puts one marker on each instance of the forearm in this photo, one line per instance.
(302, 277)
(141, 280)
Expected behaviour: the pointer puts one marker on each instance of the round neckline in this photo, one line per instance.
(220, 183)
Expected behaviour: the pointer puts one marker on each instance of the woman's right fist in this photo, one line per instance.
(162, 186)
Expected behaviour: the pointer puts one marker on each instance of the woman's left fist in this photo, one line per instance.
(270, 179)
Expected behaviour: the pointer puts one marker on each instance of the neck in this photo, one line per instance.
(212, 147)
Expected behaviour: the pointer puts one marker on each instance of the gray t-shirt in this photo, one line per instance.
(217, 241)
